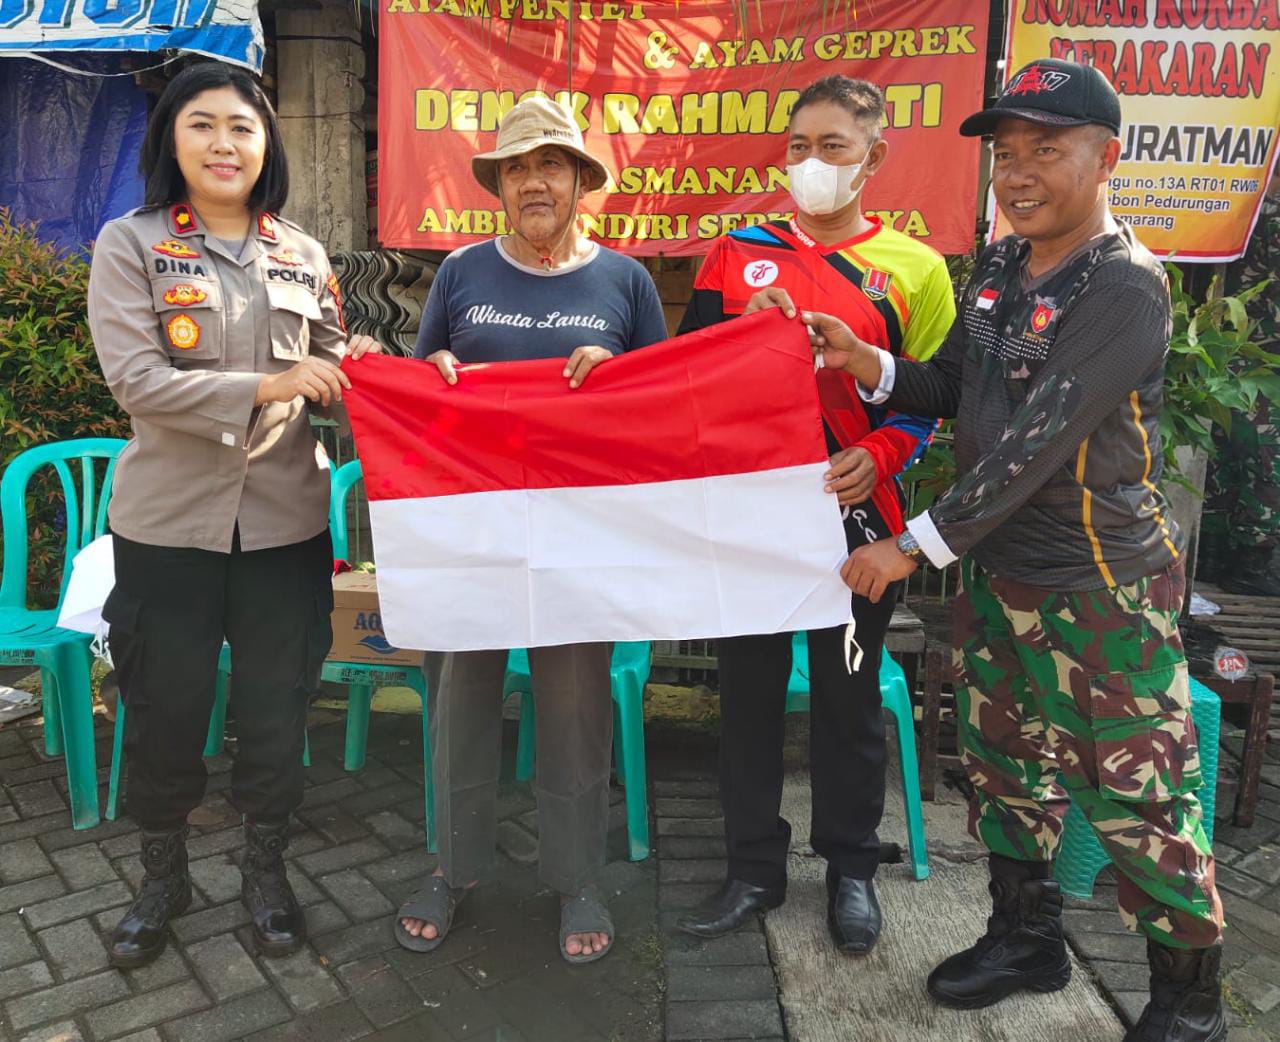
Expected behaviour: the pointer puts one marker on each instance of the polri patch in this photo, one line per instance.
(331, 283)
(184, 333)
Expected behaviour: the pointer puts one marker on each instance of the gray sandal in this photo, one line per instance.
(585, 913)
(435, 903)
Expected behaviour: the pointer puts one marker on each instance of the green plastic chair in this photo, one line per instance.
(1081, 856)
(896, 699)
(629, 673)
(33, 638)
(362, 679)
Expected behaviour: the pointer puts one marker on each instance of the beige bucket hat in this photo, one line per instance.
(530, 125)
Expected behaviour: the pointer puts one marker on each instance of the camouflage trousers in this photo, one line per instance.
(1087, 694)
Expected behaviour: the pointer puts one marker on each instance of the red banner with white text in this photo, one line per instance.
(688, 102)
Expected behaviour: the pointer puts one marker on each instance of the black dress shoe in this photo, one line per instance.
(853, 913)
(732, 905)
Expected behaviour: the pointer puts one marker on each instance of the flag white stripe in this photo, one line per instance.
(672, 560)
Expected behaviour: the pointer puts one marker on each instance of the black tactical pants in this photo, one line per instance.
(170, 611)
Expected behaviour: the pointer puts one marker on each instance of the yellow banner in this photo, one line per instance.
(1199, 89)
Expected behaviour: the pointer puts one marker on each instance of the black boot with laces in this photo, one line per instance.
(1186, 997)
(165, 893)
(1022, 948)
(279, 927)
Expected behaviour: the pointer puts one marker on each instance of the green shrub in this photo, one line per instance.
(1214, 370)
(51, 387)
(50, 384)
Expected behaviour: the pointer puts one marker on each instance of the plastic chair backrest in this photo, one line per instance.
(626, 653)
(86, 508)
(341, 480)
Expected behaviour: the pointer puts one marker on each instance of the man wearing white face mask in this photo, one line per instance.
(829, 256)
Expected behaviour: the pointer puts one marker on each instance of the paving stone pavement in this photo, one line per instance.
(1248, 875)
(356, 853)
(719, 989)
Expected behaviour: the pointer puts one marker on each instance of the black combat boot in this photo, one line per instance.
(1186, 997)
(279, 927)
(1023, 945)
(165, 893)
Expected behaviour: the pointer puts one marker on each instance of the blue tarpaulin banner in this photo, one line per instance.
(69, 146)
(226, 29)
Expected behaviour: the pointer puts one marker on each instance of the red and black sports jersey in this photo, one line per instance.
(888, 288)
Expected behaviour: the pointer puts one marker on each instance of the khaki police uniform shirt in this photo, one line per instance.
(184, 332)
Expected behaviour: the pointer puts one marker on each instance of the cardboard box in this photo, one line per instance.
(357, 624)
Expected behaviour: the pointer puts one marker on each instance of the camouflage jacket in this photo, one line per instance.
(1056, 386)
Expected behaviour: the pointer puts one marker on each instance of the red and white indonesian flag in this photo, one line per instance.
(676, 494)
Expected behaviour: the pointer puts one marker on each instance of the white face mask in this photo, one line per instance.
(819, 187)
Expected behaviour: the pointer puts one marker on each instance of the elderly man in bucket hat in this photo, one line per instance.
(543, 290)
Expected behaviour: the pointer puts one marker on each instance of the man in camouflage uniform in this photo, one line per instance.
(1070, 678)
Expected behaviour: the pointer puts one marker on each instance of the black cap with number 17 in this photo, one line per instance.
(1053, 92)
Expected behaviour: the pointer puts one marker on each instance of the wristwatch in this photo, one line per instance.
(909, 547)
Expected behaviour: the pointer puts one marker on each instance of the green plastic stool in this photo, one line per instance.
(361, 680)
(1081, 856)
(896, 699)
(33, 638)
(629, 673)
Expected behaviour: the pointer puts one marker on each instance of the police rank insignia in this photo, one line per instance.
(1042, 316)
(183, 219)
(174, 248)
(287, 257)
(875, 284)
(267, 227)
(184, 295)
(184, 334)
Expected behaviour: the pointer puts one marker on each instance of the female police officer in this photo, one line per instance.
(216, 324)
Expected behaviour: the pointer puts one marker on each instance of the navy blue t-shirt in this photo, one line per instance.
(484, 306)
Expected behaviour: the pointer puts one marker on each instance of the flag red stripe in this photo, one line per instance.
(731, 399)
